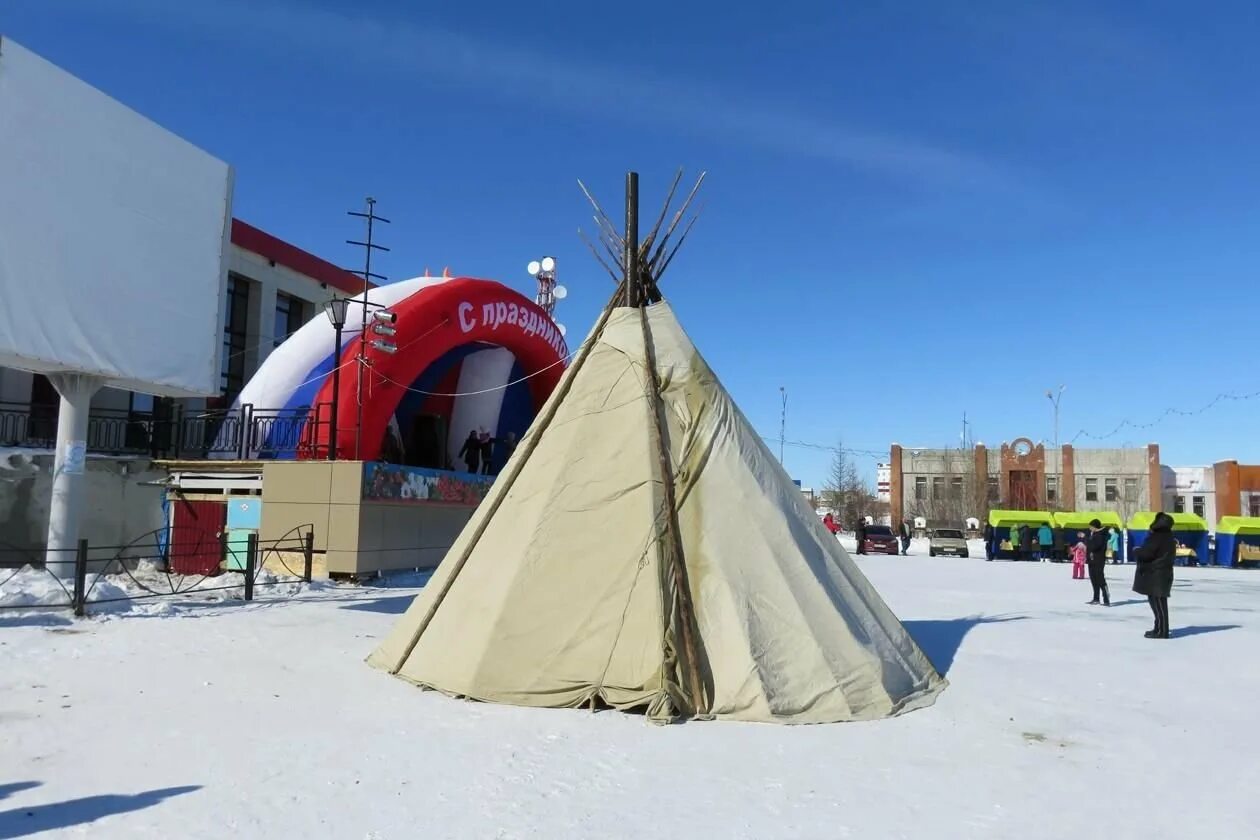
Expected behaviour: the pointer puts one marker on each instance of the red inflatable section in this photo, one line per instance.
(432, 322)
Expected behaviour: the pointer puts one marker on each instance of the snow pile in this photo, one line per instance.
(31, 587)
(145, 590)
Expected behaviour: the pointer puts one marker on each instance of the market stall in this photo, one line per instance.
(1068, 523)
(1238, 541)
(1190, 531)
(1006, 524)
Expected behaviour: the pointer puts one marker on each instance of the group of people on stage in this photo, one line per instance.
(478, 452)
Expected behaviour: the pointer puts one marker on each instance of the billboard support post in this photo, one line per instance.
(69, 468)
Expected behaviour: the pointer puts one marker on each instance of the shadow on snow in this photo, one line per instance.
(23, 822)
(940, 639)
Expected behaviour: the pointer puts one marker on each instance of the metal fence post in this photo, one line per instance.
(308, 558)
(80, 578)
(251, 563)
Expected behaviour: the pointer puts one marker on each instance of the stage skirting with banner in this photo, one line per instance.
(421, 485)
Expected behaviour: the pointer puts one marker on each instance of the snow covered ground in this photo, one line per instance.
(261, 720)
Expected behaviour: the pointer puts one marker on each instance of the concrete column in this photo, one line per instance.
(69, 464)
(1228, 488)
(896, 485)
(1067, 483)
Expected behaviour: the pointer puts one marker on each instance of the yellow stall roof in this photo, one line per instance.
(1141, 521)
(1080, 519)
(1006, 518)
(1239, 525)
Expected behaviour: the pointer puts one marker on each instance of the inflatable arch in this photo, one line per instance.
(472, 355)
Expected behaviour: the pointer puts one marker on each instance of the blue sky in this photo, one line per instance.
(913, 210)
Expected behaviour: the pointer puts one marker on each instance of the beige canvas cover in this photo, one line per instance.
(559, 592)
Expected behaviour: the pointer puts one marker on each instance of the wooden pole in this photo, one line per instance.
(634, 292)
(672, 546)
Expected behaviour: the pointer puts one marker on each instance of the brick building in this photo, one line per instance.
(947, 486)
(1237, 488)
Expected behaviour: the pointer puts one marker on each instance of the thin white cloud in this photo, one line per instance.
(433, 53)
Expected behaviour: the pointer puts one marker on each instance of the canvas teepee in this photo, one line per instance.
(644, 550)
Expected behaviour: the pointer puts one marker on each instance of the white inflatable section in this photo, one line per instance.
(293, 363)
(486, 370)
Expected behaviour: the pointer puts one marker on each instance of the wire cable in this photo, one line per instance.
(1169, 412)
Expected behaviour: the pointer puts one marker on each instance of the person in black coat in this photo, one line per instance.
(904, 532)
(1097, 562)
(859, 531)
(471, 453)
(1025, 542)
(989, 536)
(1154, 574)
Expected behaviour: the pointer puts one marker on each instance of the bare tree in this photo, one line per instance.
(847, 493)
(954, 494)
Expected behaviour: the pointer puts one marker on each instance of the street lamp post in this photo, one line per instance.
(1054, 397)
(782, 422)
(336, 312)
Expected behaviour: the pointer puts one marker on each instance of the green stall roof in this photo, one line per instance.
(1080, 519)
(1239, 525)
(1142, 520)
(998, 518)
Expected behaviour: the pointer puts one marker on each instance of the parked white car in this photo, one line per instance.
(947, 541)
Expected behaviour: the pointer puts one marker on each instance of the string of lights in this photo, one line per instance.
(1167, 413)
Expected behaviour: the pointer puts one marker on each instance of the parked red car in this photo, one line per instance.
(880, 540)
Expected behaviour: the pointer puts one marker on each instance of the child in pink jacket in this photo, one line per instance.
(1078, 557)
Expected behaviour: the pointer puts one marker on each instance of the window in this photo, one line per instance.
(1052, 489)
(1179, 504)
(1199, 505)
(1130, 490)
(1091, 489)
(1253, 504)
(956, 488)
(290, 315)
(920, 488)
(1110, 490)
(995, 488)
(938, 487)
(235, 319)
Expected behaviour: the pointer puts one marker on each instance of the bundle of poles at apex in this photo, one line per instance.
(640, 263)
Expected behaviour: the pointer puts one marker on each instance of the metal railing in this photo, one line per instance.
(244, 432)
(99, 575)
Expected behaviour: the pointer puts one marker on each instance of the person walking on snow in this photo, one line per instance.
(1113, 546)
(1025, 542)
(1098, 562)
(904, 532)
(1154, 574)
(859, 531)
(989, 536)
(1078, 556)
(1045, 543)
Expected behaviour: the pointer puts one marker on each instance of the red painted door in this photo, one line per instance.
(1023, 490)
(195, 537)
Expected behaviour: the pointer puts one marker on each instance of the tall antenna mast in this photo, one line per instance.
(368, 247)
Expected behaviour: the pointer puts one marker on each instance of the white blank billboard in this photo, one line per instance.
(113, 237)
